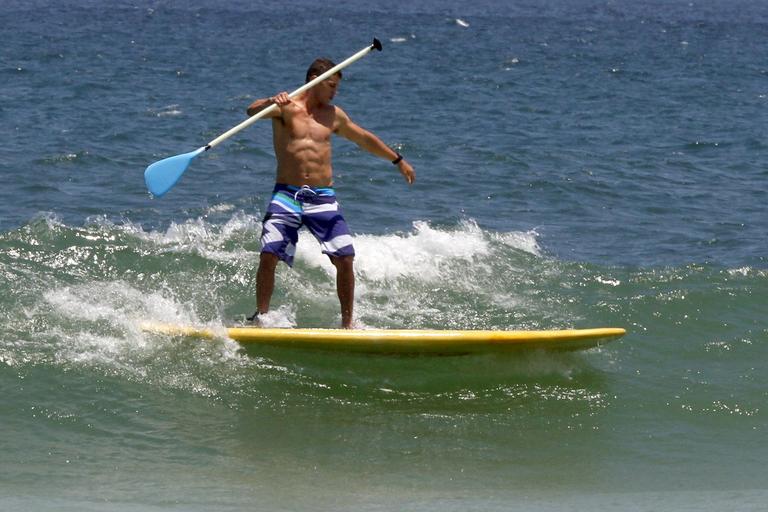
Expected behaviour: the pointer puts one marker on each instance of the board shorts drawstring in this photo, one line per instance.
(303, 190)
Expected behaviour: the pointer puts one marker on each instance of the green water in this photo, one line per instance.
(102, 412)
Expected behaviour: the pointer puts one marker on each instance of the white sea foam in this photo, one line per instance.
(283, 316)
(422, 253)
(396, 273)
(747, 272)
(522, 241)
(201, 236)
(100, 324)
(119, 304)
(403, 275)
(220, 208)
(165, 111)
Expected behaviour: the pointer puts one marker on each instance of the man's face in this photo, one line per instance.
(326, 90)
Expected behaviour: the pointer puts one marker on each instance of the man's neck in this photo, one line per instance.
(312, 102)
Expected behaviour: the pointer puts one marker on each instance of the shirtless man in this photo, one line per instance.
(303, 193)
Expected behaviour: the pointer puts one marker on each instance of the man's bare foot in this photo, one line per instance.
(254, 320)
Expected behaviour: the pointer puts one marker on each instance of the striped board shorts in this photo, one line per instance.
(316, 208)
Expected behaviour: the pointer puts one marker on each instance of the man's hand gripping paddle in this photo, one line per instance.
(162, 175)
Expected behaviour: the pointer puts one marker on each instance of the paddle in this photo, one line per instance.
(162, 175)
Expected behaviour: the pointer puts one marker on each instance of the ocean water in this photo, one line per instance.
(579, 163)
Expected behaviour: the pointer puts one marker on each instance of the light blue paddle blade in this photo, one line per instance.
(162, 175)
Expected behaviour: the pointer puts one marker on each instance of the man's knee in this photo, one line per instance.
(342, 261)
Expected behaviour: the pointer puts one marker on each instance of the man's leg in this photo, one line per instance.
(345, 287)
(265, 281)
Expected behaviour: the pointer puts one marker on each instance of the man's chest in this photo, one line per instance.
(317, 126)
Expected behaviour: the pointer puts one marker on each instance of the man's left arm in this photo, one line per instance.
(371, 143)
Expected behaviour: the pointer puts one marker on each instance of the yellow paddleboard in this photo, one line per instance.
(402, 341)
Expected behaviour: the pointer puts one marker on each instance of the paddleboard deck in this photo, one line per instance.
(403, 341)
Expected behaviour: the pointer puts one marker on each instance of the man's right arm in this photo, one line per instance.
(280, 99)
(258, 105)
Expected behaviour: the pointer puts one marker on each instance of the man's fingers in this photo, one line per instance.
(409, 175)
(281, 98)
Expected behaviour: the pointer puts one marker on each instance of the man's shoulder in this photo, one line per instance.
(340, 112)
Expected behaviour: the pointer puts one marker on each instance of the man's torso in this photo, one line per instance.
(302, 141)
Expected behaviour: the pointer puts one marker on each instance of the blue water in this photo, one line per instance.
(579, 163)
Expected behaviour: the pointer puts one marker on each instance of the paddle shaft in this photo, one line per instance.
(376, 45)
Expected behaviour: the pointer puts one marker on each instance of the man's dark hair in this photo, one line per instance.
(320, 66)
